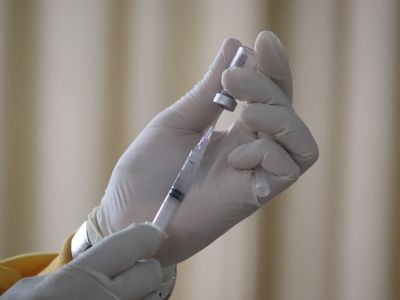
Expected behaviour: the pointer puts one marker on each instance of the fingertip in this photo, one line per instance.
(244, 157)
(226, 53)
(237, 80)
(262, 37)
(247, 115)
(232, 158)
(151, 235)
(273, 61)
(267, 40)
(229, 79)
(155, 266)
(266, 36)
(230, 45)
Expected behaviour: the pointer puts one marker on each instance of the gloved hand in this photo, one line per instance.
(112, 269)
(267, 133)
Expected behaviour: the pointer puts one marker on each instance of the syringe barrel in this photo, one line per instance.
(244, 58)
(165, 213)
(177, 192)
(182, 183)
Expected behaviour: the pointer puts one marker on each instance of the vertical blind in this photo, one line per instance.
(80, 79)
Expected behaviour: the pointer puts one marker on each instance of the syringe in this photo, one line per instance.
(244, 57)
(183, 182)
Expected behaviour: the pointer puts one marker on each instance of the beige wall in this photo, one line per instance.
(79, 79)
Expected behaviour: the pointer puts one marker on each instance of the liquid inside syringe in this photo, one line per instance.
(183, 182)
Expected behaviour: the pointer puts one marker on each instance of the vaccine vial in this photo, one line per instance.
(244, 58)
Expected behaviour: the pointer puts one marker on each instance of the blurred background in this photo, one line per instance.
(80, 79)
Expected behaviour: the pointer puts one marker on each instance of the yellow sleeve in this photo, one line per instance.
(61, 259)
(14, 268)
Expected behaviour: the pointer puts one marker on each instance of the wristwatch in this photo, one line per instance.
(80, 241)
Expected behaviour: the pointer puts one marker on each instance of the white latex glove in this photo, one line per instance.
(223, 192)
(112, 269)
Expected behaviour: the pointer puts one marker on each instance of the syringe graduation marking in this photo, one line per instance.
(176, 194)
(191, 165)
